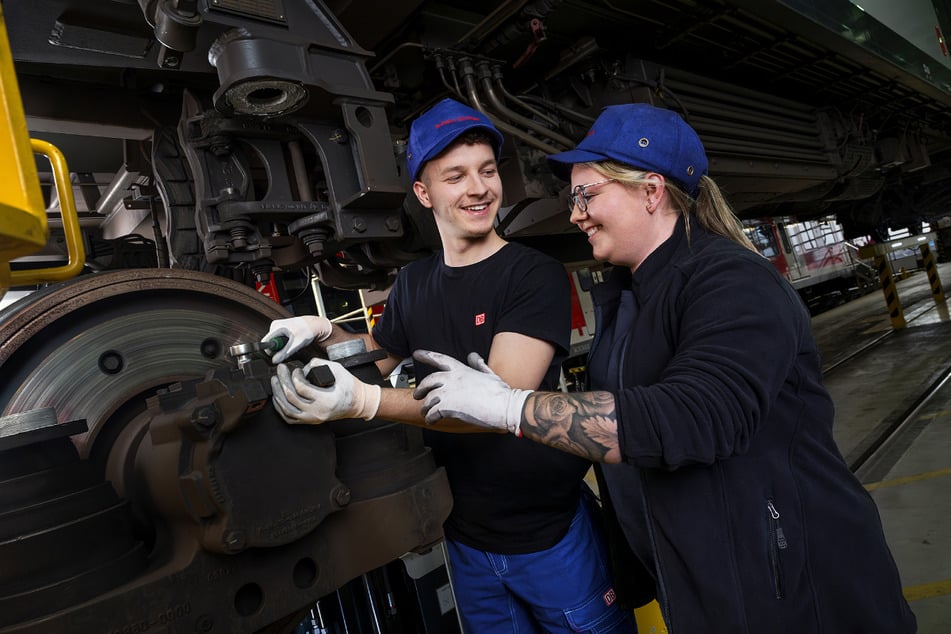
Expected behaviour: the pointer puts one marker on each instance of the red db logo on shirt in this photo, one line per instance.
(609, 597)
(480, 319)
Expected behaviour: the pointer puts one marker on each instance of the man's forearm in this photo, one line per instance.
(398, 405)
(582, 423)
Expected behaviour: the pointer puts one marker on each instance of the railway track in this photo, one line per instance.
(875, 464)
(879, 376)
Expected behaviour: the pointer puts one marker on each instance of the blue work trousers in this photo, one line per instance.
(566, 588)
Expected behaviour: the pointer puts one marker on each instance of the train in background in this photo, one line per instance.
(816, 259)
(827, 268)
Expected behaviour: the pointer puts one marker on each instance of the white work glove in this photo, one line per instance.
(299, 331)
(297, 400)
(473, 394)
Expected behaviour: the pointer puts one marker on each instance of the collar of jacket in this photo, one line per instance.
(650, 274)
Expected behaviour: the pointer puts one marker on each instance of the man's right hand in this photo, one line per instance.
(299, 332)
(297, 400)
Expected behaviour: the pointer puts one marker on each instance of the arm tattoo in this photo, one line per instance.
(582, 423)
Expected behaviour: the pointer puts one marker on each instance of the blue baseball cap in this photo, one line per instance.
(644, 137)
(434, 130)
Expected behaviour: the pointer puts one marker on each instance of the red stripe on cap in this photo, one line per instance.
(457, 120)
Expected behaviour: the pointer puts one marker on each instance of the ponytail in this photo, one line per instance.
(714, 214)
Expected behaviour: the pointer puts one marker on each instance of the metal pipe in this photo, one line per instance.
(85, 222)
(300, 171)
(474, 101)
(501, 13)
(720, 93)
(440, 66)
(767, 152)
(387, 57)
(343, 614)
(161, 247)
(374, 611)
(740, 132)
(579, 117)
(116, 191)
(631, 14)
(700, 108)
(525, 106)
(515, 117)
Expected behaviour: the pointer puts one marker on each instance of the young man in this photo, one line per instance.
(526, 555)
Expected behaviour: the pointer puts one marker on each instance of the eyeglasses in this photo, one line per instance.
(579, 197)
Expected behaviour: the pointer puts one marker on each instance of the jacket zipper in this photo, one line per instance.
(777, 542)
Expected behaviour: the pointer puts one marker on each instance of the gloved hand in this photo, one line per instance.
(473, 394)
(299, 331)
(299, 401)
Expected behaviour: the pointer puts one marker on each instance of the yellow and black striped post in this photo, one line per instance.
(931, 268)
(885, 276)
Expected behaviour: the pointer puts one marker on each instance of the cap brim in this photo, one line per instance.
(561, 163)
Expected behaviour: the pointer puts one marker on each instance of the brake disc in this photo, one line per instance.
(188, 501)
(95, 347)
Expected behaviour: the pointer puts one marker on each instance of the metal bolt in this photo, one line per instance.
(110, 362)
(239, 235)
(167, 58)
(314, 241)
(359, 224)
(339, 136)
(220, 148)
(392, 223)
(210, 348)
(204, 624)
(233, 541)
(341, 496)
(205, 417)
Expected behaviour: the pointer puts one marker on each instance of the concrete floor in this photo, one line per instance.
(910, 478)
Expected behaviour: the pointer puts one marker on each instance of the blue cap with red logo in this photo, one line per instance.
(438, 127)
(644, 137)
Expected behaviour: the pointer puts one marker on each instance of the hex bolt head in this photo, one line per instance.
(205, 417)
(341, 496)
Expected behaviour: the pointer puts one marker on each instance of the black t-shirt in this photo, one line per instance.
(510, 495)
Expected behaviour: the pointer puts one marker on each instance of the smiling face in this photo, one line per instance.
(463, 189)
(624, 222)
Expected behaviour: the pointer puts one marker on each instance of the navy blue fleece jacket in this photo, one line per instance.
(732, 488)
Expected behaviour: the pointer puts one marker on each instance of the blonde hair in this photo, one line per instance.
(710, 208)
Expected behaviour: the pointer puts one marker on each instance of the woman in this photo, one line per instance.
(709, 409)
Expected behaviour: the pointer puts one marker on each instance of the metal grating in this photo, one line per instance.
(268, 9)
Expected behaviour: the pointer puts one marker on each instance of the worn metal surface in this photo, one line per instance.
(188, 505)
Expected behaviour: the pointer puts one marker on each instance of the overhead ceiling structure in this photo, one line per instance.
(806, 108)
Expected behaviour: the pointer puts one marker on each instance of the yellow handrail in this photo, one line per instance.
(67, 205)
(23, 227)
